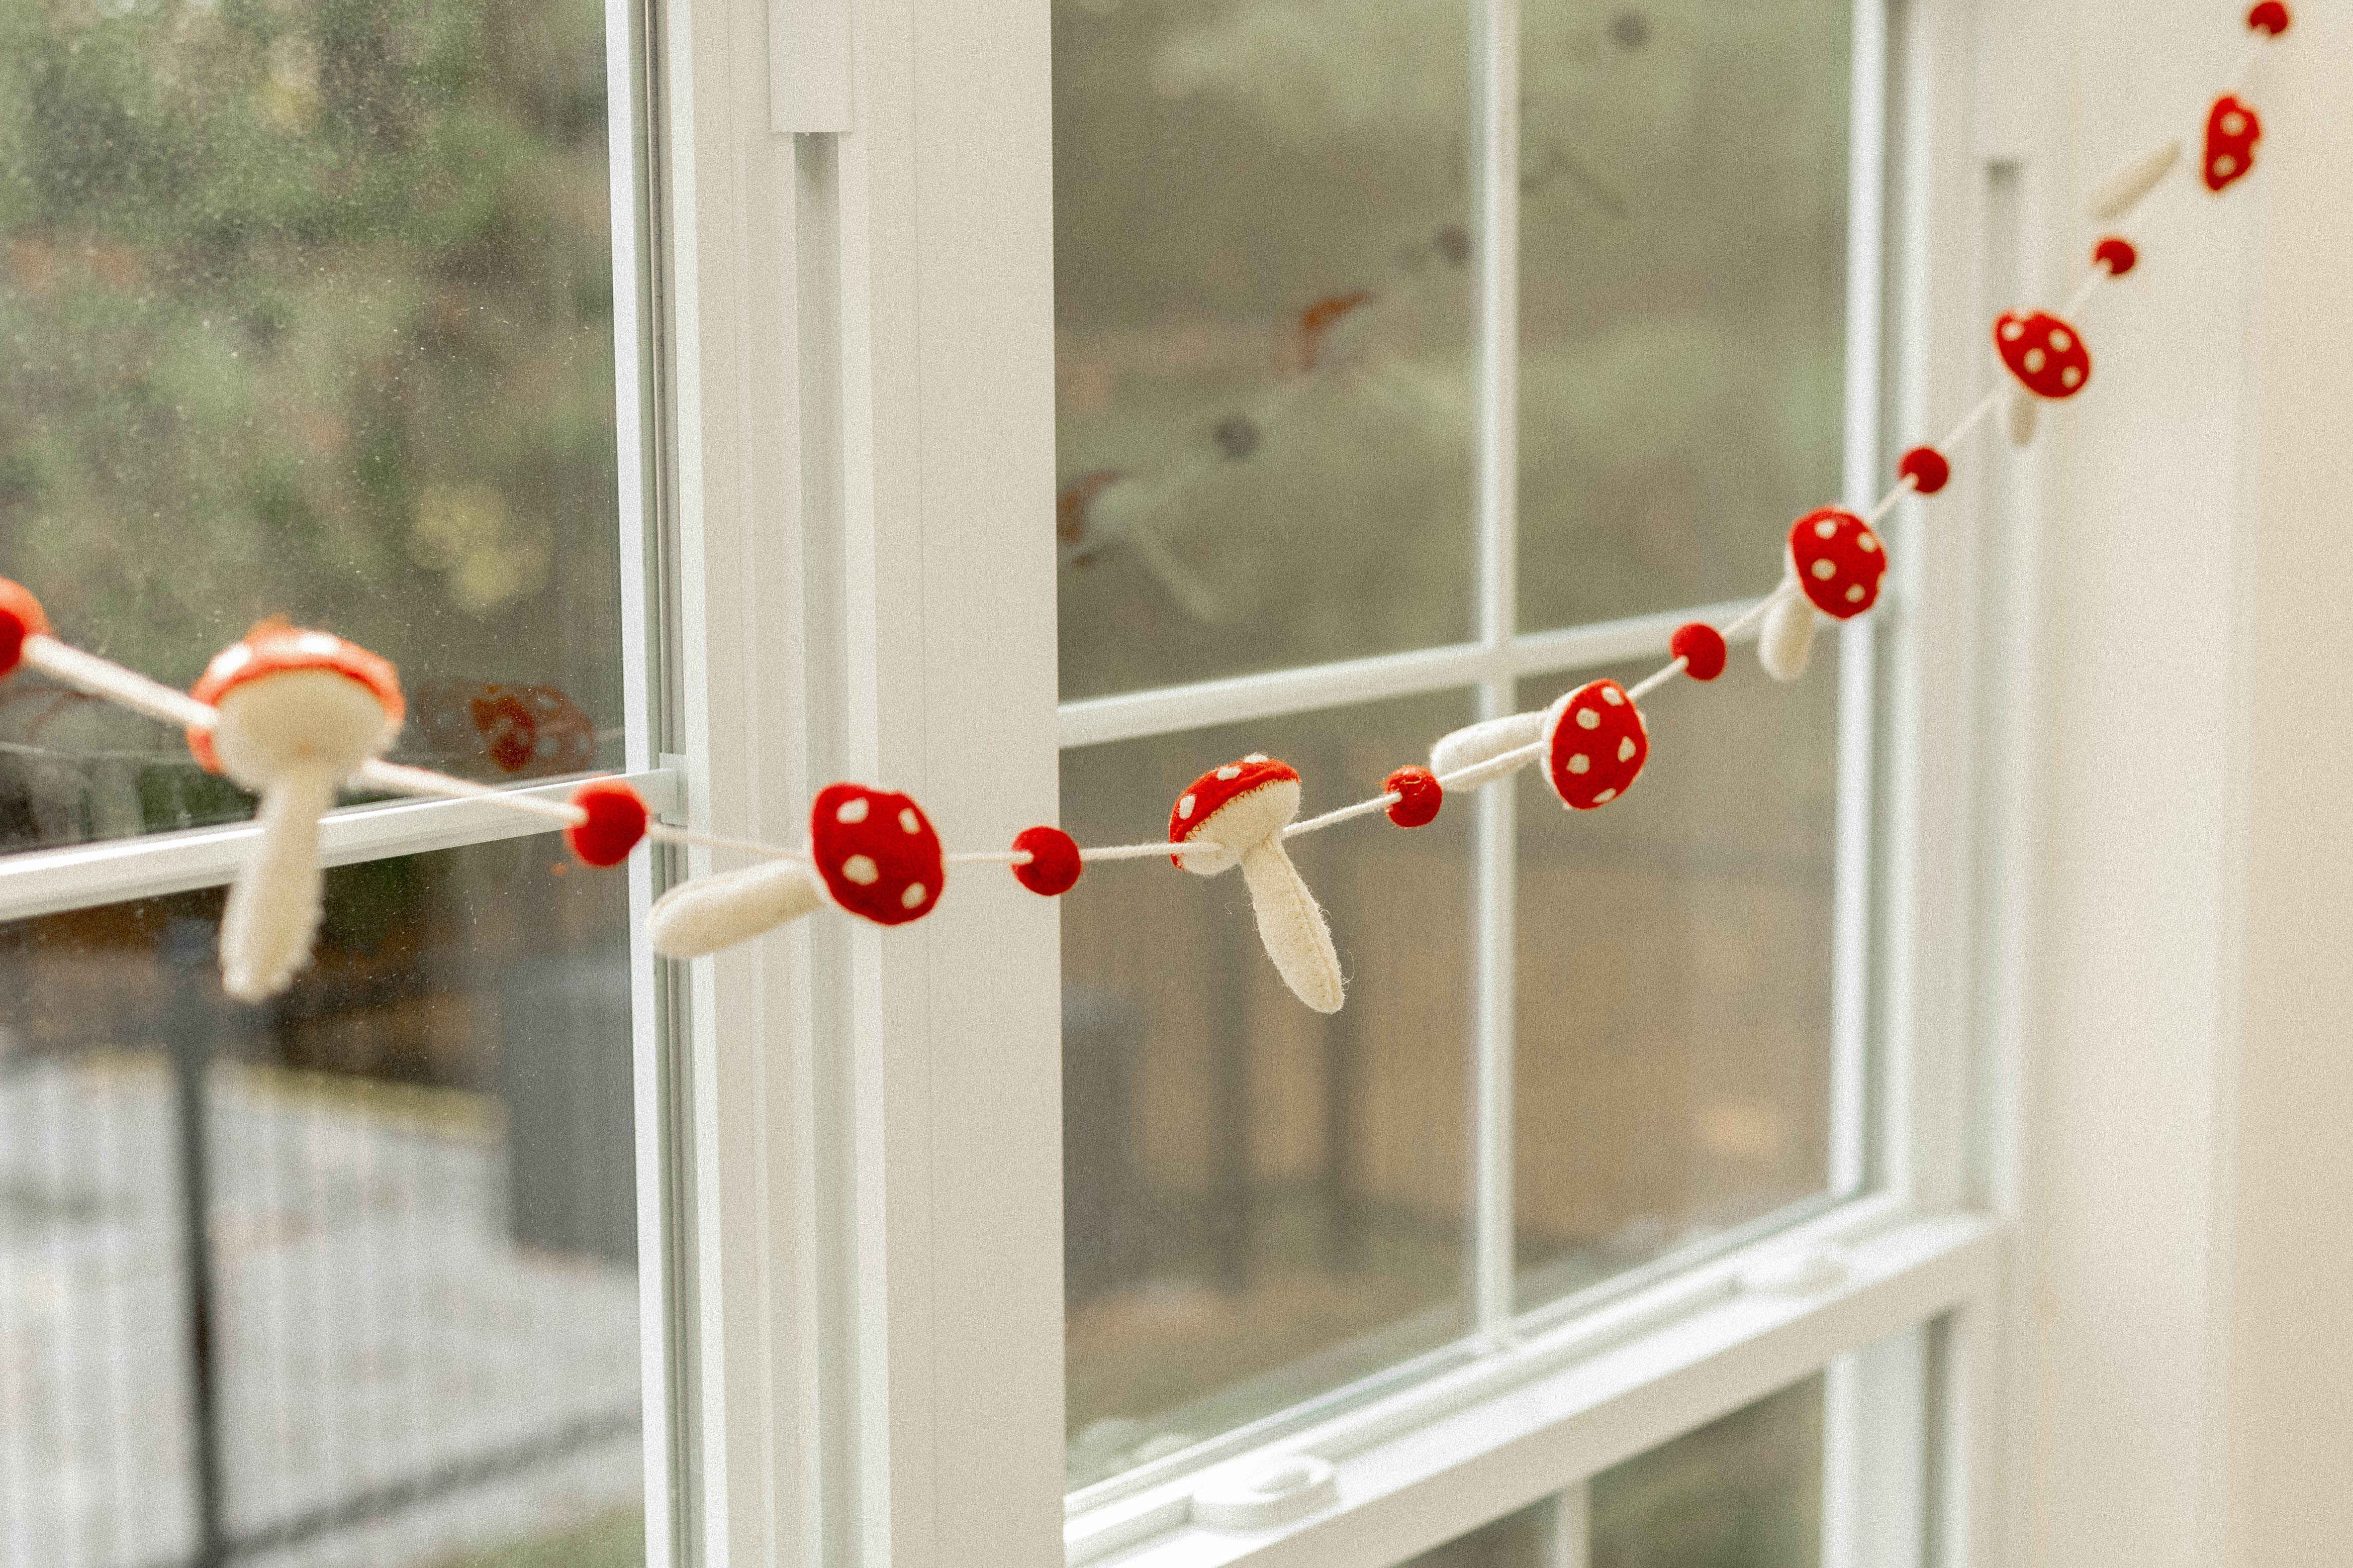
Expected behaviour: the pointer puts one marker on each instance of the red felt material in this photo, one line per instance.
(1419, 797)
(2116, 255)
(1840, 561)
(1213, 789)
(2270, 16)
(2046, 354)
(1701, 647)
(273, 647)
(877, 852)
(1054, 864)
(2233, 130)
(20, 617)
(616, 820)
(1926, 468)
(1596, 746)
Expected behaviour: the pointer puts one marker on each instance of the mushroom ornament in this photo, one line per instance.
(1835, 565)
(296, 713)
(2232, 128)
(1235, 816)
(872, 852)
(1595, 744)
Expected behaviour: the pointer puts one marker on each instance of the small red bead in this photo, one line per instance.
(2116, 255)
(1701, 647)
(20, 617)
(1053, 865)
(2270, 16)
(1926, 468)
(616, 820)
(1419, 793)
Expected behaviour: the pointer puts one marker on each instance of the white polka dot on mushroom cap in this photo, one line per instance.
(1854, 595)
(2034, 360)
(1825, 527)
(2225, 164)
(852, 810)
(317, 642)
(1866, 542)
(1586, 719)
(1605, 798)
(908, 821)
(228, 661)
(2070, 377)
(2011, 331)
(1255, 757)
(912, 896)
(2234, 124)
(1826, 568)
(861, 870)
(2060, 341)
(1612, 696)
(1184, 809)
(1625, 748)
(1579, 763)
(1230, 770)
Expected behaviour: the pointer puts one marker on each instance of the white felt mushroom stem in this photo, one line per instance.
(2020, 415)
(1485, 741)
(2130, 185)
(1291, 925)
(274, 903)
(709, 913)
(1787, 635)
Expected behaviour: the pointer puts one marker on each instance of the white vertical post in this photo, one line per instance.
(1497, 63)
(1875, 1454)
(1567, 1540)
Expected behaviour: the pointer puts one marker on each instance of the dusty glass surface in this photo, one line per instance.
(1744, 1491)
(1263, 284)
(1672, 1071)
(1516, 1540)
(418, 1268)
(1682, 296)
(306, 309)
(1261, 1203)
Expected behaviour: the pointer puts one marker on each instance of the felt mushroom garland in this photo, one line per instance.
(296, 714)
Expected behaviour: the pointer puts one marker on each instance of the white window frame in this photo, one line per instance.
(861, 300)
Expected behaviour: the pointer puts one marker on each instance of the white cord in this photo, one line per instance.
(104, 677)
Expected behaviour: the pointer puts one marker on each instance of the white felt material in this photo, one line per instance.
(1786, 636)
(711, 912)
(293, 736)
(2124, 189)
(1263, 813)
(2020, 413)
(273, 904)
(1485, 741)
(1291, 925)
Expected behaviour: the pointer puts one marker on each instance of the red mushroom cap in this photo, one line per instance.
(1595, 744)
(1701, 647)
(2268, 16)
(1206, 795)
(2232, 132)
(2117, 254)
(877, 853)
(1839, 562)
(1926, 468)
(21, 616)
(274, 649)
(616, 820)
(1054, 864)
(1419, 795)
(2045, 353)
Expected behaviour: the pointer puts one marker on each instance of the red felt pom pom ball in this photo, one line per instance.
(1419, 793)
(2116, 255)
(20, 617)
(1054, 866)
(2270, 16)
(616, 820)
(1926, 468)
(1701, 647)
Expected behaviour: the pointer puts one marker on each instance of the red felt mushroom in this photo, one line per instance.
(297, 713)
(2267, 17)
(1926, 468)
(1235, 816)
(1419, 797)
(2046, 354)
(1595, 744)
(2233, 130)
(1838, 560)
(617, 821)
(21, 616)
(1701, 647)
(1053, 867)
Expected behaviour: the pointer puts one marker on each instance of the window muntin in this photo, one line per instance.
(1746, 1135)
(309, 312)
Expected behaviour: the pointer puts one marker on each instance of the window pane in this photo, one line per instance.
(1743, 1492)
(418, 1201)
(1674, 979)
(309, 312)
(1263, 271)
(1682, 272)
(1516, 1540)
(1262, 1203)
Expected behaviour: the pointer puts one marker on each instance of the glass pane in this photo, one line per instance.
(1682, 296)
(1263, 332)
(308, 311)
(1516, 1540)
(1674, 979)
(1262, 1203)
(417, 1279)
(1742, 1492)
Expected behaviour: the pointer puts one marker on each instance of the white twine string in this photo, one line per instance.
(87, 672)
